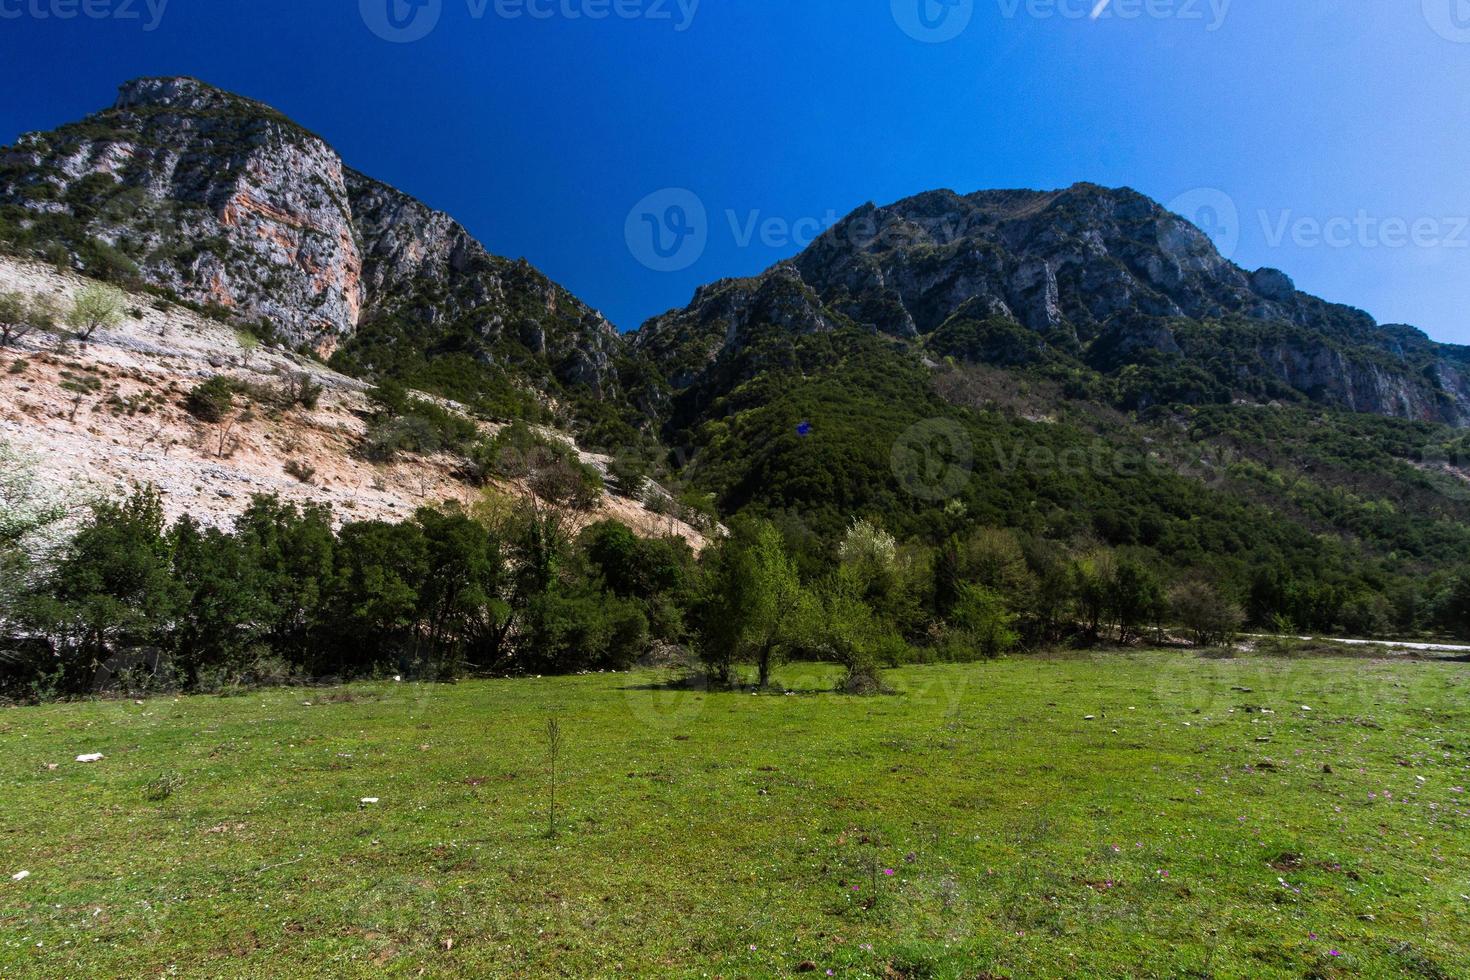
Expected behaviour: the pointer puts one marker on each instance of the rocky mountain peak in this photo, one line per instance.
(1105, 277)
(226, 203)
(180, 93)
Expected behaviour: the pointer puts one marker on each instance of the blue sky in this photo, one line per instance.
(1337, 131)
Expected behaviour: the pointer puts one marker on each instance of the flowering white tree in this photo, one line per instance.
(869, 547)
(31, 526)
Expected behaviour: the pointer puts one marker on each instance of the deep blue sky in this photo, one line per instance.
(541, 134)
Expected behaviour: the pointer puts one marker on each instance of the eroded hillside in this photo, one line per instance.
(110, 413)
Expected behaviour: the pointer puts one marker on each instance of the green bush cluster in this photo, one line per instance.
(284, 596)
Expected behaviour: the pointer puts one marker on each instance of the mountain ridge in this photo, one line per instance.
(1101, 279)
(224, 201)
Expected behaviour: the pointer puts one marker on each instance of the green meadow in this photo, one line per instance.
(1110, 815)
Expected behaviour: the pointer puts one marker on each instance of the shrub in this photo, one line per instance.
(300, 389)
(565, 481)
(629, 476)
(981, 615)
(19, 316)
(551, 468)
(96, 307)
(862, 680)
(1210, 618)
(211, 401)
(301, 470)
(405, 424)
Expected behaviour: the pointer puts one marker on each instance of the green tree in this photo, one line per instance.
(1091, 577)
(753, 608)
(373, 604)
(225, 608)
(461, 599)
(888, 577)
(96, 307)
(984, 620)
(293, 549)
(1135, 598)
(1200, 608)
(113, 588)
(1454, 614)
(30, 522)
(19, 316)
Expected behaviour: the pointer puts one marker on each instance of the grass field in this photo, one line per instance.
(973, 824)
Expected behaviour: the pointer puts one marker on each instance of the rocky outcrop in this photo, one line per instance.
(225, 202)
(724, 317)
(1101, 274)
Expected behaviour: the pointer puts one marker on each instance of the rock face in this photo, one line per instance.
(1104, 278)
(226, 203)
(223, 201)
(134, 428)
(727, 315)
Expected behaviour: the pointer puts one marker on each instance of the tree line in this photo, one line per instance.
(517, 586)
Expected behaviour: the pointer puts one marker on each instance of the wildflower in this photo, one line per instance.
(888, 871)
(1333, 952)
